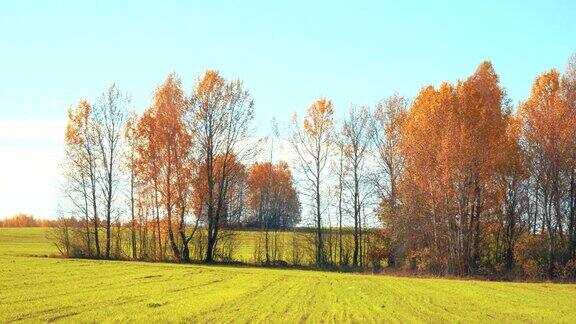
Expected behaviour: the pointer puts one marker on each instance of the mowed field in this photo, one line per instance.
(36, 288)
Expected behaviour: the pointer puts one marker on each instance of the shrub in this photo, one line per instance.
(530, 255)
(568, 271)
(227, 246)
(379, 249)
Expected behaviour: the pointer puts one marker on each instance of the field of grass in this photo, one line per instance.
(37, 288)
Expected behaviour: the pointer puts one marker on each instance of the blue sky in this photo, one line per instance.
(55, 52)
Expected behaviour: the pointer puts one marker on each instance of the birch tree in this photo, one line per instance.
(219, 114)
(312, 142)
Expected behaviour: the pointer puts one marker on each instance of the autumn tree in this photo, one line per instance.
(148, 169)
(234, 188)
(219, 114)
(568, 86)
(81, 165)
(452, 138)
(422, 227)
(312, 143)
(479, 137)
(549, 129)
(272, 199)
(386, 137)
(272, 196)
(511, 189)
(167, 162)
(131, 137)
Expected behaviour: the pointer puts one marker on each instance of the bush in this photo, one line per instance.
(379, 250)
(568, 271)
(530, 255)
(227, 246)
(70, 239)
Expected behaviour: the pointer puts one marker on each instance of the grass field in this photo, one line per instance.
(35, 288)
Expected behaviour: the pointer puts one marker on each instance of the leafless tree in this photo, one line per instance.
(109, 116)
(356, 131)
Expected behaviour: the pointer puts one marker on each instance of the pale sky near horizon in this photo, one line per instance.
(55, 52)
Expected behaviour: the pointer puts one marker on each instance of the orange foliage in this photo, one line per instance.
(319, 118)
(164, 147)
(78, 123)
(549, 120)
(272, 196)
(233, 179)
(452, 144)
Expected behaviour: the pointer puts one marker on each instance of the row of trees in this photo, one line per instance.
(24, 220)
(480, 186)
(462, 182)
(177, 167)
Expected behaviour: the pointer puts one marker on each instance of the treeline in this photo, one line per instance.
(484, 189)
(177, 171)
(461, 181)
(24, 220)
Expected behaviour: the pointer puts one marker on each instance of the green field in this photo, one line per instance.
(36, 288)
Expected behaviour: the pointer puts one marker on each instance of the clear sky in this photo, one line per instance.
(55, 52)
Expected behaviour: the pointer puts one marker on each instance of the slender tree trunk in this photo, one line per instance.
(320, 245)
(95, 211)
(157, 209)
(171, 237)
(476, 242)
(185, 250)
(210, 247)
(509, 253)
(86, 215)
(211, 217)
(360, 238)
(357, 225)
(186, 240)
(571, 217)
(133, 224)
(340, 251)
(548, 221)
(109, 206)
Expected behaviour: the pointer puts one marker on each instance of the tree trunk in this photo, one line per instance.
(109, 207)
(157, 208)
(320, 245)
(571, 217)
(133, 224)
(185, 253)
(340, 251)
(551, 256)
(95, 211)
(357, 240)
(476, 243)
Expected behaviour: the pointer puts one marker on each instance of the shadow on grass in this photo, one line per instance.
(335, 268)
